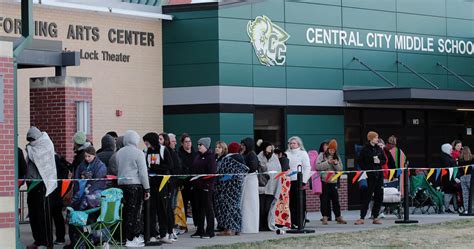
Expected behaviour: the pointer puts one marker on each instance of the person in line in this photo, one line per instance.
(107, 150)
(250, 218)
(465, 159)
(297, 156)
(159, 162)
(133, 180)
(457, 147)
(40, 167)
(448, 183)
(268, 186)
(330, 161)
(57, 205)
(173, 184)
(371, 157)
(221, 152)
(323, 147)
(187, 154)
(283, 158)
(80, 143)
(202, 190)
(113, 164)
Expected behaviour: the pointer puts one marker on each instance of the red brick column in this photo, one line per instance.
(7, 149)
(312, 200)
(53, 108)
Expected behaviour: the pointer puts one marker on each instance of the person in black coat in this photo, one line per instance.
(107, 150)
(187, 154)
(284, 161)
(248, 152)
(371, 157)
(448, 183)
(202, 189)
(159, 162)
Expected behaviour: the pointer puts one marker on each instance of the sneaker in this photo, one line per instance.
(134, 243)
(154, 239)
(166, 240)
(59, 242)
(140, 238)
(207, 236)
(173, 237)
(180, 231)
(196, 235)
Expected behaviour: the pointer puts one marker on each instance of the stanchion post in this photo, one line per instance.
(406, 204)
(300, 216)
(471, 191)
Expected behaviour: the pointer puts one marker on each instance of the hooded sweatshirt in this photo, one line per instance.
(249, 155)
(131, 163)
(157, 163)
(107, 150)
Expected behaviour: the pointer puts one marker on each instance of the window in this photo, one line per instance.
(83, 117)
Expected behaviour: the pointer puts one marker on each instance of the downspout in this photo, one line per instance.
(18, 47)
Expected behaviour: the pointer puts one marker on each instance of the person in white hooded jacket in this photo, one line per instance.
(297, 156)
(133, 180)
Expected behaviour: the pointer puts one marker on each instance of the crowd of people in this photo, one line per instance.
(244, 199)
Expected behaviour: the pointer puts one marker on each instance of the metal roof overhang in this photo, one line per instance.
(409, 96)
(45, 53)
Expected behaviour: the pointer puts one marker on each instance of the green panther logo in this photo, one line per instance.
(268, 41)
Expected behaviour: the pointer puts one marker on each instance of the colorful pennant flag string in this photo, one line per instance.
(392, 173)
(430, 173)
(358, 173)
(163, 182)
(334, 178)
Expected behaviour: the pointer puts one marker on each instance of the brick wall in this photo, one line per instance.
(7, 158)
(312, 200)
(53, 109)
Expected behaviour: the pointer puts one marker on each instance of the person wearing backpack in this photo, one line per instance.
(159, 162)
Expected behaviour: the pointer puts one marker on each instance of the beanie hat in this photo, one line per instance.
(233, 147)
(371, 135)
(205, 141)
(332, 144)
(264, 145)
(79, 138)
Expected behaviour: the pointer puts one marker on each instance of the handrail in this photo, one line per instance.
(373, 71)
(455, 75)
(417, 74)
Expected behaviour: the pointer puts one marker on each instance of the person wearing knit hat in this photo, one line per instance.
(203, 209)
(372, 157)
(80, 143)
(328, 163)
(79, 138)
(233, 147)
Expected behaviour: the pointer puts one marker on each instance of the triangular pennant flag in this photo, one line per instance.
(196, 177)
(465, 170)
(363, 176)
(430, 173)
(280, 174)
(182, 177)
(358, 173)
(438, 171)
(392, 172)
(64, 187)
(329, 174)
(292, 173)
(450, 173)
(163, 182)
(443, 172)
(33, 184)
(455, 172)
(399, 172)
(334, 178)
(225, 178)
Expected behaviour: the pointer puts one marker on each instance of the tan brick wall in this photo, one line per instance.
(134, 87)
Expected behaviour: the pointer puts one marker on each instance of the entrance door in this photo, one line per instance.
(268, 125)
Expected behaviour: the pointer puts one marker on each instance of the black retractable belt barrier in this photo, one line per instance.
(300, 205)
(406, 204)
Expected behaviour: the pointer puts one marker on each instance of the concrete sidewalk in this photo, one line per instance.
(185, 241)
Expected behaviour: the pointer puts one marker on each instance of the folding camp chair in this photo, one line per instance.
(109, 220)
(424, 196)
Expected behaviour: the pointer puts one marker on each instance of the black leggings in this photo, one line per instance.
(203, 210)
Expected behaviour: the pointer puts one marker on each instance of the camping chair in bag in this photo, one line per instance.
(392, 201)
(108, 222)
